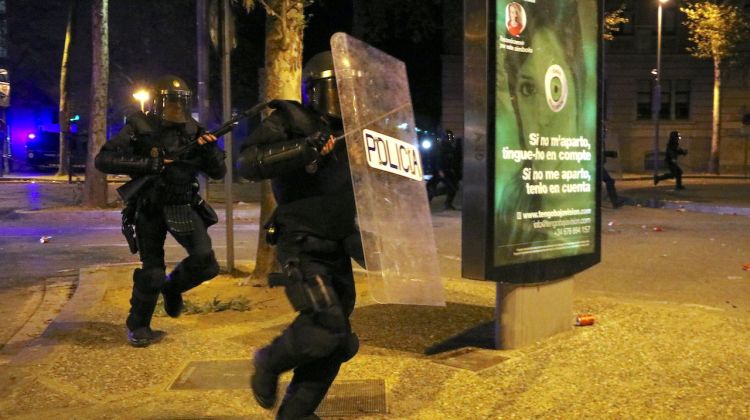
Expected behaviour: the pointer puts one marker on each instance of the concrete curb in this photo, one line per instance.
(92, 284)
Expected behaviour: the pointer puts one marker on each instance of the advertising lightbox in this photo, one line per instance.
(537, 129)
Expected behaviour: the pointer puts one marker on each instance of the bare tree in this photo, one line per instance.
(715, 32)
(95, 187)
(285, 23)
(64, 111)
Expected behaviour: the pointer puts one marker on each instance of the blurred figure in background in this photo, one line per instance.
(673, 152)
(447, 160)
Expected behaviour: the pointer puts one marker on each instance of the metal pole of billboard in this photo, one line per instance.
(656, 98)
(526, 313)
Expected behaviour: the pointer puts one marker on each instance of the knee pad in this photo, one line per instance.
(318, 343)
(201, 267)
(148, 280)
(350, 347)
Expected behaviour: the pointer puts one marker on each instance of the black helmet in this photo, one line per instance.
(172, 99)
(450, 137)
(675, 137)
(319, 91)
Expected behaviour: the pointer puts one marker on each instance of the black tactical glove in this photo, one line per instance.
(155, 165)
(318, 140)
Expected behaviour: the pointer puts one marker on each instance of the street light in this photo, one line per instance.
(656, 99)
(142, 96)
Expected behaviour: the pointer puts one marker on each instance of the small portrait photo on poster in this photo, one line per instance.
(515, 19)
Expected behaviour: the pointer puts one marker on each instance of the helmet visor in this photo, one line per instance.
(173, 105)
(322, 96)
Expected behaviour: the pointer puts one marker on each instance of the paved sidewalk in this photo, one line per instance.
(670, 340)
(721, 195)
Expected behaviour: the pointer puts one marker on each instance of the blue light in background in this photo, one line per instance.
(25, 122)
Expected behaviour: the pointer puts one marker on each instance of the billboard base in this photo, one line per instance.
(526, 313)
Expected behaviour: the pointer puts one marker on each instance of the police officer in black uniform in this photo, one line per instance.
(446, 166)
(169, 148)
(315, 235)
(672, 153)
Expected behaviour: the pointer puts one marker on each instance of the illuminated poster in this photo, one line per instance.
(545, 127)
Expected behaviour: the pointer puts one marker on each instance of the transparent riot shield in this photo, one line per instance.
(392, 208)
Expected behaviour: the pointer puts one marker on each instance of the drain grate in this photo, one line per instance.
(351, 398)
(469, 358)
(214, 374)
(345, 398)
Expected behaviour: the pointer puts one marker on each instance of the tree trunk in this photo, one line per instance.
(713, 163)
(64, 112)
(95, 187)
(283, 80)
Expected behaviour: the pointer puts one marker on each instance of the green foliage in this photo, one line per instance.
(239, 304)
(612, 21)
(715, 30)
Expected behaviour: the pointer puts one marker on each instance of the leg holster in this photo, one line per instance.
(311, 294)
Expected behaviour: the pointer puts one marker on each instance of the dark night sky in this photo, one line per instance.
(149, 38)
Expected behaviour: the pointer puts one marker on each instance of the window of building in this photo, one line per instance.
(675, 99)
(669, 19)
(643, 100)
(681, 99)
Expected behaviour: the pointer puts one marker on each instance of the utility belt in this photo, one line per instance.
(177, 194)
(178, 217)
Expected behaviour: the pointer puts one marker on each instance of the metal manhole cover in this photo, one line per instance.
(351, 398)
(345, 398)
(470, 358)
(214, 374)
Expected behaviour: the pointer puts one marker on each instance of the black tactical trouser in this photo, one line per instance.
(318, 341)
(449, 180)
(674, 172)
(149, 280)
(609, 183)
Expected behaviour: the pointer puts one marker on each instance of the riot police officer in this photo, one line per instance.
(447, 169)
(672, 153)
(315, 235)
(165, 149)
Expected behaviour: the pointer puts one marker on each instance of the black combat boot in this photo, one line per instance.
(173, 303)
(264, 381)
(142, 306)
(144, 336)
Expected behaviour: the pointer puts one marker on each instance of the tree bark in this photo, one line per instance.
(713, 163)
(95, 187)
(64, 112)
(283, 80)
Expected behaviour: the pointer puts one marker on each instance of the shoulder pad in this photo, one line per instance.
(141, 123)
(296, 117)
(193, 128)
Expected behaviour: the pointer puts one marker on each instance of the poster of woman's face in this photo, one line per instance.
(515, 19)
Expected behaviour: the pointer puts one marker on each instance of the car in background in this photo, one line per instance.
(43, 150)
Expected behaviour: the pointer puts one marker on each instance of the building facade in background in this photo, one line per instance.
(686, 83)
